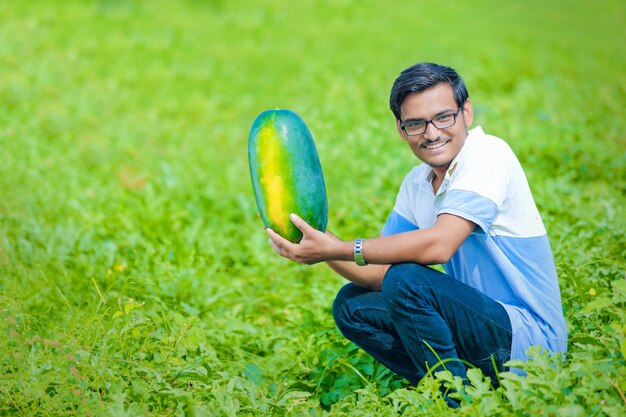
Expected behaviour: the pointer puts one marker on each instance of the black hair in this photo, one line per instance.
(423, 76)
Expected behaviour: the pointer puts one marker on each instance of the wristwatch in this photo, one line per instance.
(358, 252)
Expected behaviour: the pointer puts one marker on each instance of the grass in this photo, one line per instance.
(135, 278)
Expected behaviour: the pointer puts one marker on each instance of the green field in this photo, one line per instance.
(135, 276)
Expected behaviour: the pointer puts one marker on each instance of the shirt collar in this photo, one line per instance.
(477, 131)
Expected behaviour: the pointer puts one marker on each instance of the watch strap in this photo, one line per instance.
(358, 252)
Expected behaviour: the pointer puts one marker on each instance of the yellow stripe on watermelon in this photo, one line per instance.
(272, 182)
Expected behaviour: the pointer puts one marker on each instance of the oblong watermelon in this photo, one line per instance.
(286, 173)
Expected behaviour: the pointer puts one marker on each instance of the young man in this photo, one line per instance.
(468, 206)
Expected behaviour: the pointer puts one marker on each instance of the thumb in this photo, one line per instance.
(304, 227)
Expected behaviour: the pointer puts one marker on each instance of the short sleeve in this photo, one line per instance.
(401, 219)
(396, 223)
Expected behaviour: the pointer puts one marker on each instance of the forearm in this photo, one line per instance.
(433, 245)
(423, 246)
(369, 276)
(420, 246)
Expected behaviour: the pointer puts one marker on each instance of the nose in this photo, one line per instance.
(431, 131)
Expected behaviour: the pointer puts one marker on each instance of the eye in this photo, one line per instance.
(444, 117)
(414, 125)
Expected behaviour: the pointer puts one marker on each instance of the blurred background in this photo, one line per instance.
(126, 211)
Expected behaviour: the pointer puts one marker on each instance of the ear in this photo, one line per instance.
(468, 113)
(400, 131)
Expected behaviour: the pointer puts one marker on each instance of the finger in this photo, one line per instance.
(279, 240)
(276, 247)
(301, 224)
(273, 243)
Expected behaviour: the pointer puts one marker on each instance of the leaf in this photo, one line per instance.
(479, 383)
(291, 395)
(571, 410)
(254, 373)
(585, 339)
(619, 286)
(599, 303)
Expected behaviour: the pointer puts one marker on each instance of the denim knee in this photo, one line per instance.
(341, 312)
(395, 282)
(402, 279)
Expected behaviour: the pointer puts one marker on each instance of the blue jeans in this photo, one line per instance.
(416, 306)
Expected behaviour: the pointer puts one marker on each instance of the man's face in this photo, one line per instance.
(436, 147)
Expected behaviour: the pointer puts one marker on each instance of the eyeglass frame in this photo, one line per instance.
(432, 121)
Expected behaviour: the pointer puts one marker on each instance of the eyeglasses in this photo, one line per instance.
(442, 121)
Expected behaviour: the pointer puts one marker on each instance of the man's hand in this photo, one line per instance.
(314, 247)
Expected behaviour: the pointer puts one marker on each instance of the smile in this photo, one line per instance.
(433, 146)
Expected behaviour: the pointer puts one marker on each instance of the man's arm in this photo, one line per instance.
(433, 245)
(429, 246)
(369, 276)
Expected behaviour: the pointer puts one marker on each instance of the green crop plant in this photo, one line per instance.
(135, 275)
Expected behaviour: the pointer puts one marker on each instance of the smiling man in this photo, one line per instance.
(468, 207)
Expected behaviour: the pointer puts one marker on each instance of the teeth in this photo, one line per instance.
(435, 146)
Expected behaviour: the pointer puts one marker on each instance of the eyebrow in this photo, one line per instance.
(417, 119)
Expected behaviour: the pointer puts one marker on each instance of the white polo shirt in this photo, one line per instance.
(508, 256)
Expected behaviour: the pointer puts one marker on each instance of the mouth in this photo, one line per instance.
(431, 146)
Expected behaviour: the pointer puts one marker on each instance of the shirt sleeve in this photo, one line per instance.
(396, 223)
(477, 188)
(401, 219)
